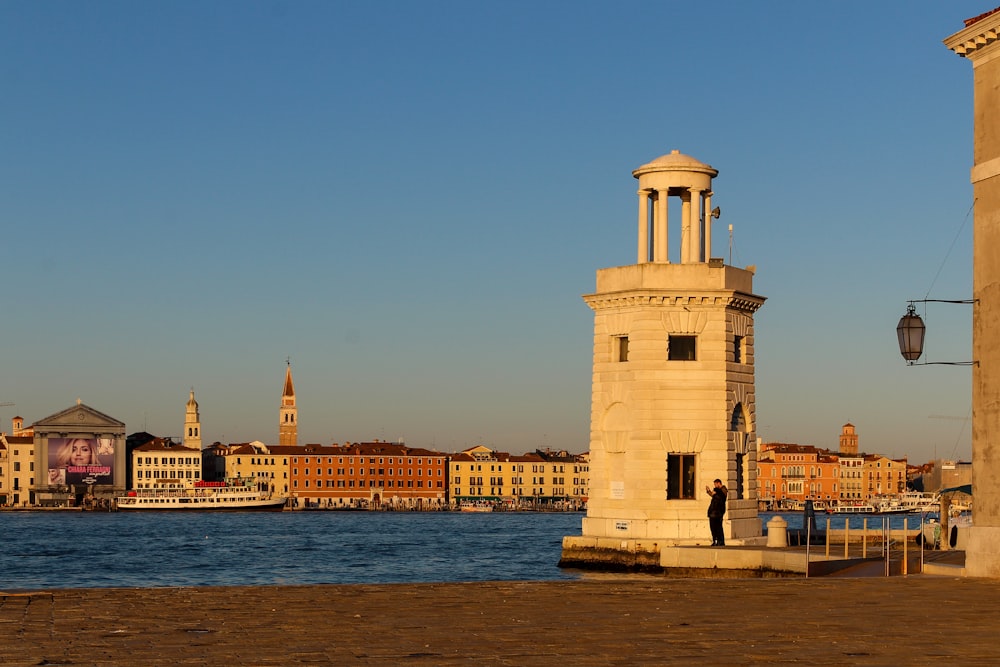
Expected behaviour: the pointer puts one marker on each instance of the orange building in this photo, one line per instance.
(370, 474)
(788, 475)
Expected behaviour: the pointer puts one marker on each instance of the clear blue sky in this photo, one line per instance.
(409, 198)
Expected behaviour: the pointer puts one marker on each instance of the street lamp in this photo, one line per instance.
(910, 332)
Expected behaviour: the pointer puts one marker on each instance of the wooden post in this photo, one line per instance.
(847, 534)
(945, 520)
(864, 538)
(827, 537)
(905, 522)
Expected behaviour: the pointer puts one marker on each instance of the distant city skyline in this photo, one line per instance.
(408, 201)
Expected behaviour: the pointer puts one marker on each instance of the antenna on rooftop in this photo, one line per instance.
(730, 245)
(6, 405)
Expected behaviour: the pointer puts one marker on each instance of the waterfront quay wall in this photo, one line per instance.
(828, 553)
(748, 560)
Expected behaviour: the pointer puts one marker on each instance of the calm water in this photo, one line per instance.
(89, 550)
(92, 549)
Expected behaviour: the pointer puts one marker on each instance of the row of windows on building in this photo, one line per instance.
(518, 467)
(371, 472)
(799, 471)
(361, 460)
(517, 492)
(797, 487)
(371, 483)
(679, 348)
(171, 474)
(169, 461)
(516, 481)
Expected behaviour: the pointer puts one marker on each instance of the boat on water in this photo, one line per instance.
(476, 506)
(230, 495)
(854, 508)
(923, 502)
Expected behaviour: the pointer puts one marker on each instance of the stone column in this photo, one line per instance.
(660, 235)
(694, 243)
(643, 227)
(708, 225)
(685, 230)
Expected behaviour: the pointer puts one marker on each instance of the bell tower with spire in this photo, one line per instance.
(673, 405)
(192, 423)
(288, 415)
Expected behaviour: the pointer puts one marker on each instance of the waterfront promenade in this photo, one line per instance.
(604, 620)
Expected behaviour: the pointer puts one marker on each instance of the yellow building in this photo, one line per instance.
(882, 476)
(17, 465)
(252, 460)
(17, 470)
(541, 478)
(164, 464)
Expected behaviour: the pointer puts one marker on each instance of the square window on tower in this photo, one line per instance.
(681, 348)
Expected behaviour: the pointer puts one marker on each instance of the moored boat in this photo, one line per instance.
(476, 506)
(854, 508)
(922, 502)
(230, 495)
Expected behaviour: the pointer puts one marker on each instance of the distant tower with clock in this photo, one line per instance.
(288, 415)
(673, 405)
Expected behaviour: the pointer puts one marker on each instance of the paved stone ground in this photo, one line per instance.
(601, 620)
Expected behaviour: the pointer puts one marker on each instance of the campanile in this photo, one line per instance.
(673, 404)
(288, 414)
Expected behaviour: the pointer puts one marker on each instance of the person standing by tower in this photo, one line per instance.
(716, 510)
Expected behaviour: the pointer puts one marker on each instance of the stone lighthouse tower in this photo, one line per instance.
(673, 403)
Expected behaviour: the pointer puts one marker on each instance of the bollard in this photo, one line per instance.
(777, 532)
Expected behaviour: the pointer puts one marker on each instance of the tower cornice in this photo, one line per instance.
(748, 303)
(979, 34)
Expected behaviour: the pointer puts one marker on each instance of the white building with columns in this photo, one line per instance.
(673, 404)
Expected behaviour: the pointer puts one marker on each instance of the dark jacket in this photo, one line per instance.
(717, 507)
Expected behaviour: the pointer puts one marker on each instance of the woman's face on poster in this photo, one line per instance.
(80, 454)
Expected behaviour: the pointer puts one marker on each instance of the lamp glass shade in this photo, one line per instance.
(910, 332)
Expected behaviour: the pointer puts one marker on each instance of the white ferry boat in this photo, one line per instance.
(923, 502)
(854, 508)
(233, 494)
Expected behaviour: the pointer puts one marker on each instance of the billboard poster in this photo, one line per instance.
(81, 461)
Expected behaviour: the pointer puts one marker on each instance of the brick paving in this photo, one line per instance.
(600, 620)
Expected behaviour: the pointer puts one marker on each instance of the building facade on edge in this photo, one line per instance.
(979, 43)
